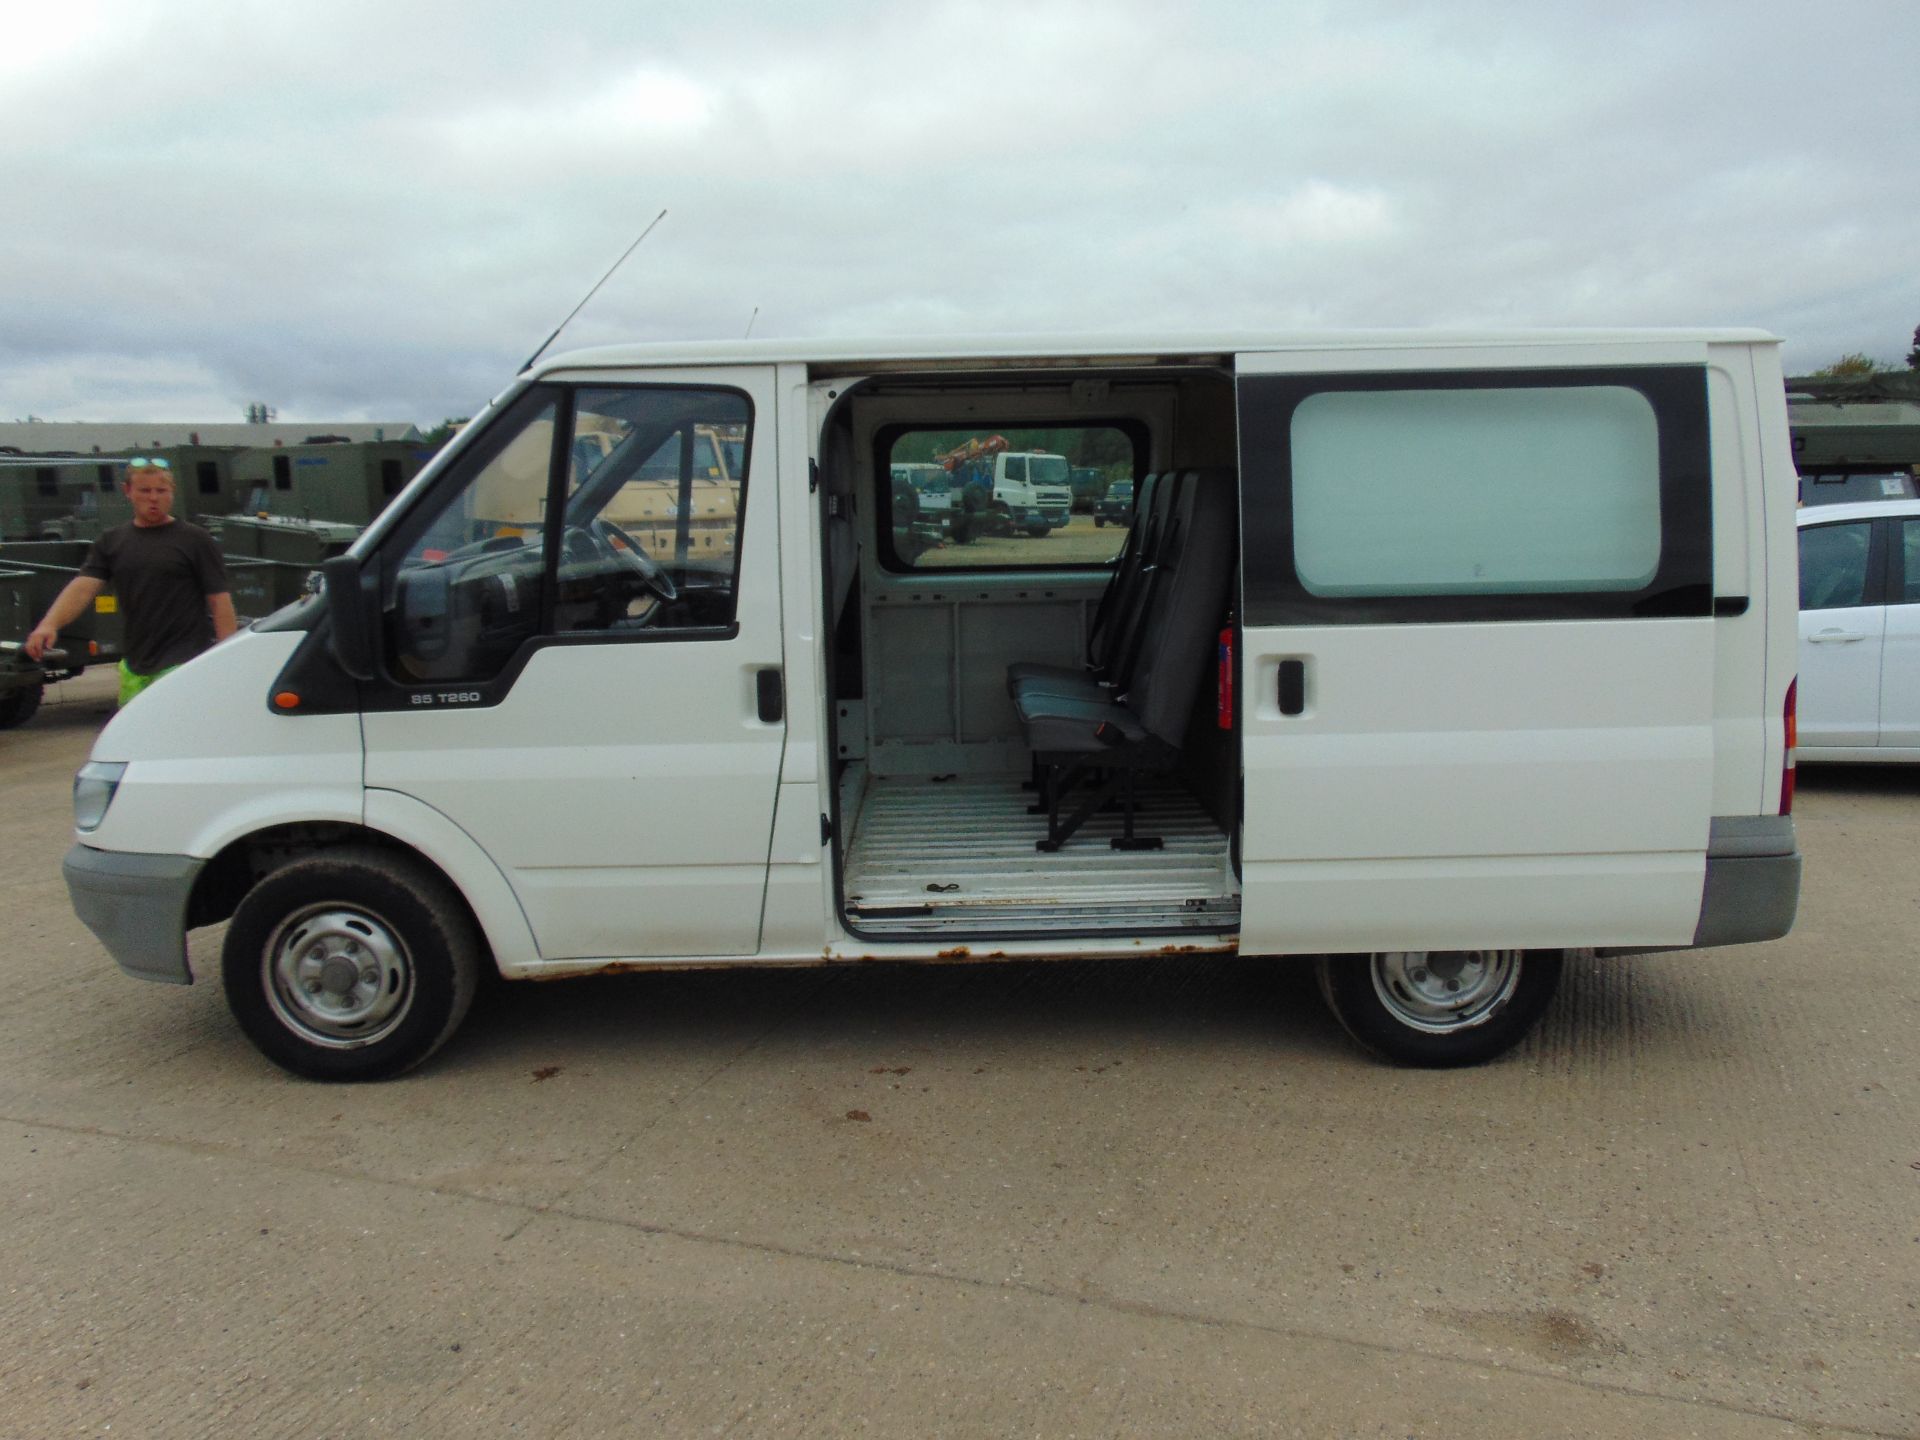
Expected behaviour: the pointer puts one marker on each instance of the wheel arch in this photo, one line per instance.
(398, 824)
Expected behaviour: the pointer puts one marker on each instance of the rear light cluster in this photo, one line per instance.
(1793, 740)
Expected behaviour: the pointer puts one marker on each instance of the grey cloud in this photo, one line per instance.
(361, 209)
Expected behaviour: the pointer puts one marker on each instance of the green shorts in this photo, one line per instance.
(132, 682)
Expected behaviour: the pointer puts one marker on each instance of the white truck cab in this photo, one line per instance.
(1431, 658)
(1034, 490)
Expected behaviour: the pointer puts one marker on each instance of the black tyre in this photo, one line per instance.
(17, 706)
(352, 964)
(1099, 522)
(1038, 532)
(1440, 1007)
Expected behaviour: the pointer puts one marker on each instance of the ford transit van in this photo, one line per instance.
(1431, 660)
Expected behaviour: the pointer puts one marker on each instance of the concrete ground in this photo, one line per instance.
(1163, 1198)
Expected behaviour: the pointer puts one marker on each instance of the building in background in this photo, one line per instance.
(86, 437)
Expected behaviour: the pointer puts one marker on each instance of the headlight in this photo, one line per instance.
(93, 791)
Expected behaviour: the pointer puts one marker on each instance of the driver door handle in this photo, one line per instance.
(770, 695)
(1836, 637)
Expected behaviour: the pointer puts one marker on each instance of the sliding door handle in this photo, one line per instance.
(1293, 686)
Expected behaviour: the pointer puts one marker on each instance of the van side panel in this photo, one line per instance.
(1777, 484)
(1479, 645)
(1415, 805)
(1742, 716)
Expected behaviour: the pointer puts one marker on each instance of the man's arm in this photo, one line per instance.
(220, 607)
(68, 606)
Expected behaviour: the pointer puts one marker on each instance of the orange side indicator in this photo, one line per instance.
(287, 700)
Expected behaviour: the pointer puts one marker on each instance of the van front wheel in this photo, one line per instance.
(1440, 1007)
(352, 964)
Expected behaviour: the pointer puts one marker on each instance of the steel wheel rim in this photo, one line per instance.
(1440, 991)
(338, 976)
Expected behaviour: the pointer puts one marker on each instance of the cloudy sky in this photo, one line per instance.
(376, 210)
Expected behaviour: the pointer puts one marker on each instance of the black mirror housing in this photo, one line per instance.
(351, 611)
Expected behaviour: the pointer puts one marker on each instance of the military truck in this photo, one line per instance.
(59, 497)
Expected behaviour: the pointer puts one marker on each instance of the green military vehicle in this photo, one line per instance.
(326, 478)
(34, 572)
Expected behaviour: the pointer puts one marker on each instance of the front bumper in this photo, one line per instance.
(136, 905)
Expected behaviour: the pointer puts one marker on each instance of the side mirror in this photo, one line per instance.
(352, 611)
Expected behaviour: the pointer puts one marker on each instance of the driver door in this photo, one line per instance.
(583, 655)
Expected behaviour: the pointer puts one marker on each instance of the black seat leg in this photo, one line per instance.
(1127, 840)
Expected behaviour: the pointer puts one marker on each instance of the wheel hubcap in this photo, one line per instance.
(1442, 990)
(338, 975)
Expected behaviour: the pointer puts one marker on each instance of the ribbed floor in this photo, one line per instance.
(958, 855)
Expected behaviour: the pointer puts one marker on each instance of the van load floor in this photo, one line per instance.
(956, 854)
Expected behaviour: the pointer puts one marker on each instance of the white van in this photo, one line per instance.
(1434, 658)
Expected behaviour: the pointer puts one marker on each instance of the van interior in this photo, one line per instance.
(1031, 731)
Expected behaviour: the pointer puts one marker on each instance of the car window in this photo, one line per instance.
(1910, 560)
(1833, 565)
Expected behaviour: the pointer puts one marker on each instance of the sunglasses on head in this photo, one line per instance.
(148, 462)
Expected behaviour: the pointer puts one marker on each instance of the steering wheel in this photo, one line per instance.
(626, 550)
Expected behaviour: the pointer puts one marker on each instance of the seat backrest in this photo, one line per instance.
(1188, 598)
(1155, 523)
(1114, 615)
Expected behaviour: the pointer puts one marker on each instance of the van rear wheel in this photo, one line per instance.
(353, 964)
(1440, 1007)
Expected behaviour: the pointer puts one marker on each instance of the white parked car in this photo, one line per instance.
(1860, 631)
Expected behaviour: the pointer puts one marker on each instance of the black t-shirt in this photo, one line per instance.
(162, 576)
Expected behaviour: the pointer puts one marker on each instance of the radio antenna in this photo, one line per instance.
(750, 319)
(590, 294)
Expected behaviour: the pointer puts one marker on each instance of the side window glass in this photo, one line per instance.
(655, 492)
(1833, 565)
(1910, 558)
(466, 592)
(1475, 492)
(980, 499)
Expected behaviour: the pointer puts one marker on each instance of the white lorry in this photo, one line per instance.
(1434, 659)
(1004, 491)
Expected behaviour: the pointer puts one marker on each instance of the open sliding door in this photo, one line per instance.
(1477, 606)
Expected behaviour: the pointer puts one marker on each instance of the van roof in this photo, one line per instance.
(834, 355)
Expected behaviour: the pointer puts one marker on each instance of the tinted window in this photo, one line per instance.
(1425, 492)
(1833, 565)
(1386, 498)
(1910, 559)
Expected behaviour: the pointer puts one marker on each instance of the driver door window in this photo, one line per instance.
(466, 594)
(655, 493)
(647, 491)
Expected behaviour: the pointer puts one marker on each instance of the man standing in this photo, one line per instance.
(167, 576)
